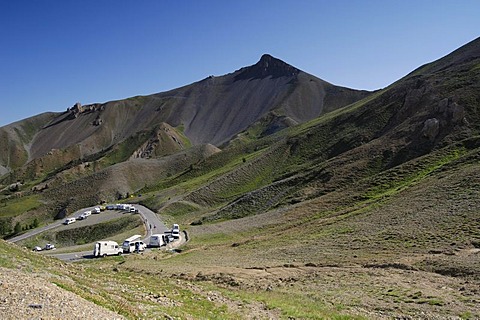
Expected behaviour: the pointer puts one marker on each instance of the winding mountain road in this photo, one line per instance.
(149, 218)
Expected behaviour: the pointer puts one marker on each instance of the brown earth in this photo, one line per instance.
(30, 296)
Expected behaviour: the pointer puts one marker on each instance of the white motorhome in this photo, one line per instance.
(158, 240)
(69, 220)
(130, 244)
(106, 248)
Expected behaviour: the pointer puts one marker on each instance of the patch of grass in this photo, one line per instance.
(400, 183)
(17, 206)
(181, 132)
(291, 304)
(180, 208)
(467, 315)
(125, 149)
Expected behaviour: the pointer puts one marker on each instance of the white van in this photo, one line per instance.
(106, 248)
(69, 221)
(130, 243)
(158, 240)
(132, 246)
(96, 210)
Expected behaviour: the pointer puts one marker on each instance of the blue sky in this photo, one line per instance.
(55, 53)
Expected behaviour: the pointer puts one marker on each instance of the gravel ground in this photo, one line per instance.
(28, 296)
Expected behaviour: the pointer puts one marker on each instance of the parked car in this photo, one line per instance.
(37, 248)
(69, 220)
(49, 246)
(131, 244)
(84, 215)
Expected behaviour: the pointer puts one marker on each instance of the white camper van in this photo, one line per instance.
(130, 244)
(106, 248)
(158, 240)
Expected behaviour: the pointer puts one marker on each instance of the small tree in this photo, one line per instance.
(35, 223)
(5, 226)
(17, 228)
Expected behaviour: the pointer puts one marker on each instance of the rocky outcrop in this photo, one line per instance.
(431, 128)
(78, 109)
(451, 111)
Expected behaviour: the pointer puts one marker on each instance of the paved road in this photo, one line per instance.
(57, 224)
(150, 219)
(152, 223)
(36, 231)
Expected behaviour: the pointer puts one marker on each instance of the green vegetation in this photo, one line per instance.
(124, 150)
(16, 206)
(397, 184)
(180, 209)
(185, 141)
(96, 232)
(290, 303)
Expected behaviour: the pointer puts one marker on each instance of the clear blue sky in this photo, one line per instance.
(55, 53)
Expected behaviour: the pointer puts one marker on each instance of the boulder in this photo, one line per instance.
(430, 129)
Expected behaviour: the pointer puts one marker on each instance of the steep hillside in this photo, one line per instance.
(119, 180)
(16, 139)
(417, 115)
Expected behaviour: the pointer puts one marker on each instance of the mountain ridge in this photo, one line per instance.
(212, 110)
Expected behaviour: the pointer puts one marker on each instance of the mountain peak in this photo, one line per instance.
(268, 66)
